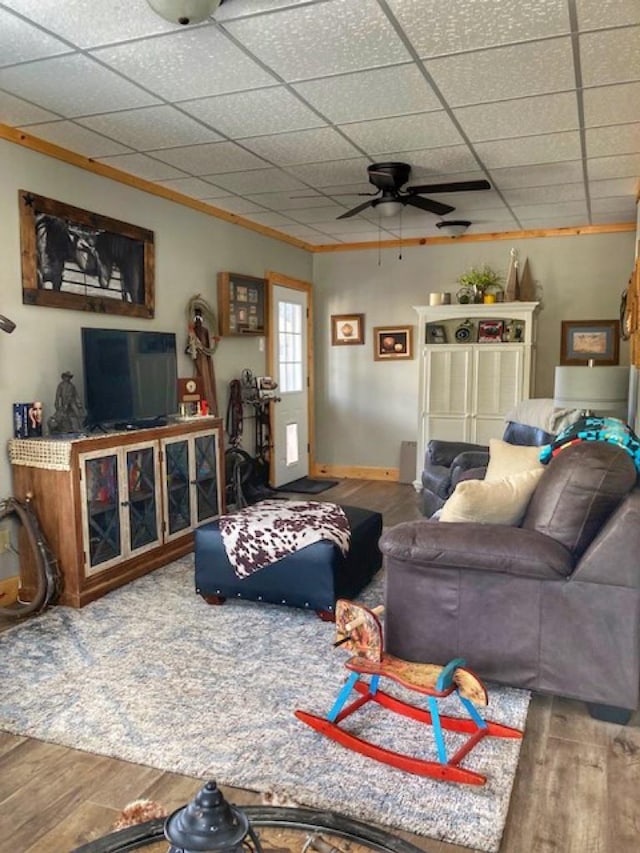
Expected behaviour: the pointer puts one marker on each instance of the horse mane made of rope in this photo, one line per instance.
(198, 307)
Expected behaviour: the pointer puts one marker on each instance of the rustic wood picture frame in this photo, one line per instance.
(583, 340)
(75, 259)
(347, 329)
(242, 304)
(392, 343)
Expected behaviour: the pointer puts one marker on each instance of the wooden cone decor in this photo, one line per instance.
(527, 284)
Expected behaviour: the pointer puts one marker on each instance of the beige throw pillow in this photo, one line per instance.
(496, 502)
(506, 459)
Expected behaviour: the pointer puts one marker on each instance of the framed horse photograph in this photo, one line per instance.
(75, 259)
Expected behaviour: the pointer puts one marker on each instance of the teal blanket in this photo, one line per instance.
(612, 430)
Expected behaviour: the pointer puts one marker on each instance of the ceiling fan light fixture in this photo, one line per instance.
(453, 227)
(184, 11)
(389, 207)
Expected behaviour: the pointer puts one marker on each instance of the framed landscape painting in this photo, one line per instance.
(72, 258)
(585, 340)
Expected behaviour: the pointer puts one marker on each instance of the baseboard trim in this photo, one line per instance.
(354, 472)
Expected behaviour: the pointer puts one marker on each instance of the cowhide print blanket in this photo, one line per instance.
(260, 534)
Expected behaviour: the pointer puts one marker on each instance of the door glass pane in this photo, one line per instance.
(103, 509)
(290, 347)
(143, 524)
(206, 478)
(177, 465)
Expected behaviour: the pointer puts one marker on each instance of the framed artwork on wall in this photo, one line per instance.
(392, 342)
(72, 258)
(583, 340)
(347, 329)
(242, 304)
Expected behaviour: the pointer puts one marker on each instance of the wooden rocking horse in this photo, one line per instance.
(360, 631)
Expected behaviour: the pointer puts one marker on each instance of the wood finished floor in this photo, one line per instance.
(577, 788)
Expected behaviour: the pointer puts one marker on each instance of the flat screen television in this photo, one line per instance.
(130, 378)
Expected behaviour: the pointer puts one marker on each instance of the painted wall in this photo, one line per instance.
(191, 248)
(364, 408)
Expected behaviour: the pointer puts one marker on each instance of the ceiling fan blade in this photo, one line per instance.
(333, 195)
(356, 209)
(427, 204)
(451, 187)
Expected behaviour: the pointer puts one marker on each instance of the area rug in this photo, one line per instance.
(152, 674)
(308, 486)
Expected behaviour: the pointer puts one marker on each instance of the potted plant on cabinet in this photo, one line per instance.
(479, 284)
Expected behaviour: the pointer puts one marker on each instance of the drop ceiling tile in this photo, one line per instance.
(235, 204)
(611, 217)
(563, 208)
(18, 113)
(505, 72)
(430, 161)
(613, 187)
(622, 166)
(332, 173)
(398, 90)
(22, 42)
(467, 25)
(242, 8)
(338, 227)
(259, 181)
(547, 222)
(303, 232)
(529, 150)
(521, 117)
(293, 200)
(301, 146)
(117, 20)
(309, 215)
(257, 113)
(73, 86)
(593, 14)
(404, 133)
(69, 135)
(270, 218)
(615, 139)
(611, 104)
(142, 166)
(173, 65)
(210, 158)
(610, 57)
(322, 39)
(193, 187)
(151, 127)
(550, 193)
(624, 206)
(516, 177)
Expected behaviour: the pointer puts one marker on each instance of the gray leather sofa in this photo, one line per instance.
(552, 605)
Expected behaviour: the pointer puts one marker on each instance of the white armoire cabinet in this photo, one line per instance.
(466, 386)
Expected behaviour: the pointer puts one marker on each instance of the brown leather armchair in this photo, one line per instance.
(552, 605)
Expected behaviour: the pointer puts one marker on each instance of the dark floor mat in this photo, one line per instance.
(307, 486)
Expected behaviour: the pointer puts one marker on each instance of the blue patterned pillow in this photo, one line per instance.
(612, 430)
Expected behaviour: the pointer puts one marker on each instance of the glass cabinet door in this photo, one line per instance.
(177, 487)
(101, 510)
(206, 477)
(141, 502)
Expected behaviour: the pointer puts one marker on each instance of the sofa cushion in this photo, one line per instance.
(499, 502)
(578, 491)
(506, 459)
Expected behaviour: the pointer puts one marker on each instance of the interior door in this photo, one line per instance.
(289, 363)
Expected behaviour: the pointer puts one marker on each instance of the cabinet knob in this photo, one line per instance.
(124, 503)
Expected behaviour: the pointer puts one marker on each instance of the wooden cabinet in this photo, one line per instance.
(117, 506)
(466, 388)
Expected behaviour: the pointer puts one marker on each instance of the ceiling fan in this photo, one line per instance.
(389, 178)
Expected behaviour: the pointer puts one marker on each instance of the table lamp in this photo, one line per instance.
(601, 391)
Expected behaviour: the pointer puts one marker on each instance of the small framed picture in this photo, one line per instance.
(583, 340)
(490, 331)
(392, 343)
(436, 334)
(347, 329)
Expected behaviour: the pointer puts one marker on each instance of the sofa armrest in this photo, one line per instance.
(612, 557)
(444, 452)
(477, 547)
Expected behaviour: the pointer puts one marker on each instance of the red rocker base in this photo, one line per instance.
(359, 629)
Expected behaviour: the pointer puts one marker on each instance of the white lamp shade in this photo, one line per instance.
(602, 391)
(388, 207)
(184, 11)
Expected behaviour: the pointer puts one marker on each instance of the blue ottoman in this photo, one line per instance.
(313, 577)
